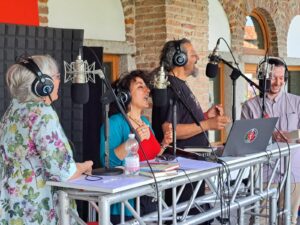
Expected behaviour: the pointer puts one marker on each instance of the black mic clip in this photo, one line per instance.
(214, 58)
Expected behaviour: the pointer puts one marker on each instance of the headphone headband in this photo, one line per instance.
(31, 65)
(277, 61)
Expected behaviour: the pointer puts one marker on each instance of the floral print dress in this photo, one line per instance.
(33, 149)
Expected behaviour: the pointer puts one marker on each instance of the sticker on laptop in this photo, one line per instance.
(251, 135)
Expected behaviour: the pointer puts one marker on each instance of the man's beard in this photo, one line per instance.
(195, 73)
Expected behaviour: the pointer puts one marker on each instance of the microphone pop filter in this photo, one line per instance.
(159, 97)
(80, 93)
(211, 70)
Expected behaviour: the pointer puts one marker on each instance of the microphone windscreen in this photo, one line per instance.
(159, 97)
(264, 86)
(80, 93)
(211, 70)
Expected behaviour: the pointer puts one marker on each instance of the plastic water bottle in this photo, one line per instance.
(132, 160)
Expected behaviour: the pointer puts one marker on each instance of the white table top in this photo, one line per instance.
(113, 184)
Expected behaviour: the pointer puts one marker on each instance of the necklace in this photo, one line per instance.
(139, 123)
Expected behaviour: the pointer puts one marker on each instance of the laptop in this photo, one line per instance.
(249, 136)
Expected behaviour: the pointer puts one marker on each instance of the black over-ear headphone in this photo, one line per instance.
(179, 58)
(122, 92)
(277, 62)
(43, 84)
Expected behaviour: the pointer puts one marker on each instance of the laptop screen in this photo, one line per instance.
(249, 136)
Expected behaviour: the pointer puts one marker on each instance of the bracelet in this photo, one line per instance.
(163, 147)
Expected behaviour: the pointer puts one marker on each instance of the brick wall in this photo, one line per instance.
(129, 17)
(150, 23)
(275, 14)
(43, 12)
(158, 21)
(150, 32)
(190, 19)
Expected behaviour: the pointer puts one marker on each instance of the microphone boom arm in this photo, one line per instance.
(239, 73)
(235, 74)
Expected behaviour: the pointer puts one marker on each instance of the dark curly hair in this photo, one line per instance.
(122, 86)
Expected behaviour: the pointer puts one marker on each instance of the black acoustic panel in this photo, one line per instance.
(20, 42)
(2, 41)
(21, 31)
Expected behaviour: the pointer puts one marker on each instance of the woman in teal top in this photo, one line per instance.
(135, 87)
(119, 131)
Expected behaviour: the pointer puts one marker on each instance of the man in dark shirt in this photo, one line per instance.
(179, 58)
(187, 131)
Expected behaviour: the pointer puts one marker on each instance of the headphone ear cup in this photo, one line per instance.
(286, 74)
(42, 86)
(179, 57)
(124, 96)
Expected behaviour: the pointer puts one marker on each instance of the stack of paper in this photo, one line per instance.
(293, 135)
(158, 174)
(159, 169)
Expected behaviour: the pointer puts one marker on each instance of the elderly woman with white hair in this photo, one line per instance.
(33, 146)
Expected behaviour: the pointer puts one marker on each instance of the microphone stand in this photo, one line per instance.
(108, 97)
(174, 118)
(263, 107)
(111, 96)
(234, 76)
(236, 73)
(174, 123)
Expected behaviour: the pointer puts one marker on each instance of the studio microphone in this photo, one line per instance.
(79, 88)
(212, 66)
(80, 73)
(159, 91)
(264, 77)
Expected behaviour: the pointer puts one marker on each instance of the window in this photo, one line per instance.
(255, 36)
(294, 80)
(111, 66)
(251, 73)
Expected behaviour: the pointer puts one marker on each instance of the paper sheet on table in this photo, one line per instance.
(120, 182)
(111, 182)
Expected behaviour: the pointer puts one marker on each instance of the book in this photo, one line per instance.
(158, 174)
(159, 166)
(293, 135)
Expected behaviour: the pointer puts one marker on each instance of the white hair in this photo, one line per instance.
(19, 79)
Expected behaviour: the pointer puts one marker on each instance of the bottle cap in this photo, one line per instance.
(131, 135)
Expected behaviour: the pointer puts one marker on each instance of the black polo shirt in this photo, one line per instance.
(162, 114)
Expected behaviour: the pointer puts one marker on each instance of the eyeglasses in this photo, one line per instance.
(90, 177)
